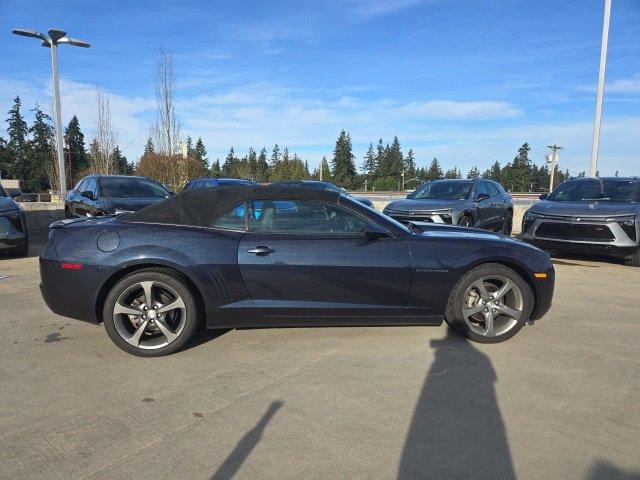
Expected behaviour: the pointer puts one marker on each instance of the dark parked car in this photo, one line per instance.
(468, 203)
(13, 226)
(97, 195)
(588, 215)
(322, 186)
(207, 182)
(153, 275)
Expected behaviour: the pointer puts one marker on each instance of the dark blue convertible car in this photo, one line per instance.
(229, 257)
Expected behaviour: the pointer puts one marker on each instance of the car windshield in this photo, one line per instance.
(443, 190)
(597, 190)
(131, 187)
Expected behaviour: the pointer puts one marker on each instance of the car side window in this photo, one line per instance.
(232, 220)
(92, 186)
(493, 191)
(303, 218)
(82, 186)
(480, 189)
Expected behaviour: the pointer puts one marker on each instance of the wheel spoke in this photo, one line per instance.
(510, 312)
(177, 303)
(467, 312)
(166, 331)
(482, 291)
(126, 310)
(488, 324)
(504, 289)
(148, 293)
(135, 338)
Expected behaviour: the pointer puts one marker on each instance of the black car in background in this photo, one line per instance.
(469, 203)
(112, 194)
(588, 215)
(322, 186)
(13, 226)
(209, 182)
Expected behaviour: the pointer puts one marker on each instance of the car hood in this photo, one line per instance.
(7, 203)
(133, 204)
(546, 207)
(426, 204)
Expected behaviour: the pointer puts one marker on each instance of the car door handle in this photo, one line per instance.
(261, 250)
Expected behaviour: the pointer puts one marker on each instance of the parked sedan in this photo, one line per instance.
(588, 215)
(322, 186)
(97, 195)
(13, 226)
(153, 275)
(468, 203)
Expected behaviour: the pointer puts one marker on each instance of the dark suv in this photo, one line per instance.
(13, 226)
(108, 194)
(468, 203)
(588, 215)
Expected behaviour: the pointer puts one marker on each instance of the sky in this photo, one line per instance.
(465, 81)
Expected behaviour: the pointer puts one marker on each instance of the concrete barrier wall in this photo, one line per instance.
(518, 213)
(42, 214)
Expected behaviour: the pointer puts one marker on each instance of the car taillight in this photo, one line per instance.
(71, 266)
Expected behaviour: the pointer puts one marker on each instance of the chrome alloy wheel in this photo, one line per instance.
(149, 315)
(492, 305)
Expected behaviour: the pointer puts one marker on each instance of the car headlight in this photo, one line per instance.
(527, 220)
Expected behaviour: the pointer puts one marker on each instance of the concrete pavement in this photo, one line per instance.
(560, 400)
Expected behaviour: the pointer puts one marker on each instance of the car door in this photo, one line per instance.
(88, 205)
(305, 259)
(496, 206)
(74, 198)
(483, 208)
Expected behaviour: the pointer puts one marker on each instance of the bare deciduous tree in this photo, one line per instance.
(166, 128)
(106, 138)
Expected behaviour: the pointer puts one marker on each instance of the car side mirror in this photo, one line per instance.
(543, 196)
(482, 196)
(88, 194)
(373, 231)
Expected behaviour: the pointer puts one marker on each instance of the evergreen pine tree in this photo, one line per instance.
(229, 165)
(369, 162)
(200, 154)
(190, 150)
(474, 173)
(39, 153)
(149, 148)
(252, 160)
(17, 143)
(324, 170)
(275, 156)
(120, 163)
(5, 157)
(395, 162)
(215, 170)
(435, 170)
(262, 168)
(410, 165)
(76, 153)
(344, 168)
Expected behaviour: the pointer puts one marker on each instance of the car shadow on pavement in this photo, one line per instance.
(247, 443)
(204, 335)
(457, 429)
(603, 470)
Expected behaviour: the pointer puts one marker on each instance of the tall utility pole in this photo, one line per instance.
(600, 93)
(55, 38)
(553, 159)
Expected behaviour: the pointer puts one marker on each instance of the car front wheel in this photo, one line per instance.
(466, 221)
(633, 261)
(507, 223)
(150, 313)
(489, 304)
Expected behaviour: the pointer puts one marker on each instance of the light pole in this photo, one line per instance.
(55, 38)
(593, 169)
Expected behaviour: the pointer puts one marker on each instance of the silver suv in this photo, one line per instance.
(588, 215)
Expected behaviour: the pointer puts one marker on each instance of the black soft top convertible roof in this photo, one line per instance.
(201, 207)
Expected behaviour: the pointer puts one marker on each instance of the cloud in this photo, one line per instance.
(622, 85)
(447, 109)
(376, 8)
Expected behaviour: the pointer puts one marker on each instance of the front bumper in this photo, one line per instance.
(442, 216)
(587, 235)
(12, 230)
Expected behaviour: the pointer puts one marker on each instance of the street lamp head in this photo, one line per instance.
(30, 33)
(75, 42)
(56, 34)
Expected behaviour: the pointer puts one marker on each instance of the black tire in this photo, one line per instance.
(455, 318)
(162, 277)
(466, 220)
(633, 261)
(507, 223)
(21, 250)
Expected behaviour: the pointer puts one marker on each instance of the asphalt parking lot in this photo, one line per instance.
(560, 400)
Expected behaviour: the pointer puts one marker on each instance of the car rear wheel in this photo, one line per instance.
(466, 220)
(489, 304)
(507, 223)
(151, 313)
(633, 261)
